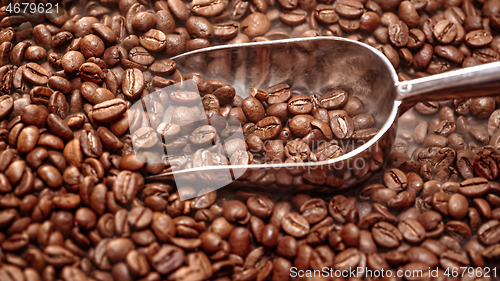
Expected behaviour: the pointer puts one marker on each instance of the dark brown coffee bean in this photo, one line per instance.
(314, 210)
(207, 8)
(6, 105)
(349, 25)
(489, 233)
(300, 125)
(58, 256)
(395, 179)
(348, 258)
(90, 143)
(91, 72)
(225, 31)
(126, 186)
(118, 248)
(260, 206)
(132, 83)
(423, 57)
(350, 235)
(256, 24)
(398, 33)
(445, 31)
(492, 251)
(369, 21)
(450, 53)
(482, 107)
(474, 187)
(458, 230)
(386, 235)
(363, 121)
(253, 109)
(349, 8)
(50, 175)
(412, 230)
(35, 74)
(268, 128)
(297, 149)
(486, 167)
(328, 150)
(333, 99)
(92, 46)
(105, 33)
(408, 13)
(235, 210)
(342, 125)
(479, 133)
(279, 93)
(144, 138)
(27, 139)
(239, 241)
(140, 56)
(109, 140)
(300, 104)
(293, 17)
(199, 27)
(478, 38)
(326, 14)
(295, 225)
(109, 110)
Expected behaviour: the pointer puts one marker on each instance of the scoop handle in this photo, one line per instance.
(478, 81)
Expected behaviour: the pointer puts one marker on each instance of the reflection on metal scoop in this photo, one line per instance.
(312, 66)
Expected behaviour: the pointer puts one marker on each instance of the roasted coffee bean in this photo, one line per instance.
(6, 104)
(333, 99)
(279, 93)
(126, 186)
(386, 235)
(445, 31)
(35, 74)
(421, 60)
(398, 33)
(474, 187)
(342, 125)
(478, 38)
(300, 125)
(253, 109)
(257, 24)
(268, 128)
(395, 179)
(144, 138)
(109, 110)
(412, 230)
(349, 9)
(300, 104)
(325, 14)
(295, 225)
(132, 83)
(489, 233)
(458, 230)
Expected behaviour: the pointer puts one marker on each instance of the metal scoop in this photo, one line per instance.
(313, 66)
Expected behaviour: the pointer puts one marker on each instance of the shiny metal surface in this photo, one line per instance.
(482, 80)
(314, 66)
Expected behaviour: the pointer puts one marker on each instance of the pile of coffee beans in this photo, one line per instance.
(272, 126)
(317, 119)
(75, 201)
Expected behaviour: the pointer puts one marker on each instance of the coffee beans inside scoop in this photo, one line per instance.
(270, 126)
